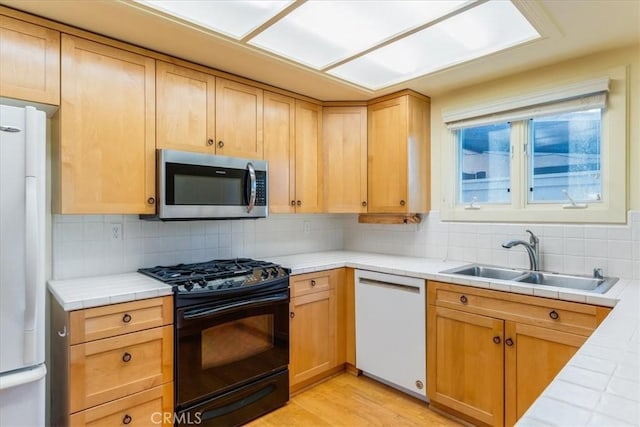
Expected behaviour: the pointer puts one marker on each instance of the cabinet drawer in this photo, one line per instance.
(571, 317)
(111, 368)
(310, 283)
(141, 409)
(117, 319)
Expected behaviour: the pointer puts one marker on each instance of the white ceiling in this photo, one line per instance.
(572, 29)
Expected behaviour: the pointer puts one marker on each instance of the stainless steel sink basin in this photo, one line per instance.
(539, 278)
(591, 284)
(486, 271)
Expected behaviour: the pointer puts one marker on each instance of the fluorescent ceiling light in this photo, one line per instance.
(371, 43)
(230, 17)
(319, 33)
(480, 31)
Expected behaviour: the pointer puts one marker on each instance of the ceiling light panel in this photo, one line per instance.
(319, 33)
(480, 31)
(235, 18)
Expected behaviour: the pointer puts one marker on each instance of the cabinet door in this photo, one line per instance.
(308, 157)
(533, 357)
(344, 140)
(185, 109)
(466, 363)
(29, 62)
(238, 120)
(387, 155)
(279, 151)
(106, 153)
(313, 336)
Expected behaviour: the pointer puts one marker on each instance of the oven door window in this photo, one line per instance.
(224, 350)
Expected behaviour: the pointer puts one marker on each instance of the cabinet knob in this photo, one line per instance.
(220, 144)
(496, 340)
(402, 202)
(463, 299)
(299, 203)
(419, 385)
(292, 314)
(126, 318)
(554, 315)
(293, 203)
(127, 419)
(126, 357)
(313, 283)
(364, 204)
(151, 200)
(508, 342)
(209, 141)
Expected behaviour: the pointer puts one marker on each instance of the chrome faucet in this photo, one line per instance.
(532, 249)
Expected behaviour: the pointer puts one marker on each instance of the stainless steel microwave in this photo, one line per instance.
(203, 186)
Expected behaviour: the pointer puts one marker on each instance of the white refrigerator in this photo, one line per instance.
(22, 258)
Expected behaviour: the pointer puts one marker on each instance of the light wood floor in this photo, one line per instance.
(347, 400)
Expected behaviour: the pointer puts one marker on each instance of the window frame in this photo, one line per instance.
(614, 142)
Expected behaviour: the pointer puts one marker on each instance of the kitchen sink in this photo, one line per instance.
(583, 283)
(540, 278)
(486, 271)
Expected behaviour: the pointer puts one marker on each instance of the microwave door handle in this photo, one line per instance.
(252, 187)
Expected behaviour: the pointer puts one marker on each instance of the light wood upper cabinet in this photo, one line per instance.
(104, 156)
(279, 151)
(239, 120)
(344, 140)
(308, 131)
(29, 62)
(398, 154)
(185, 109)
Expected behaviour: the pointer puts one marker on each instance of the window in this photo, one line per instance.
(557, 155)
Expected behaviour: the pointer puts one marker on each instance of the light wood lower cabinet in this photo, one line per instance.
(490, 354)
(317, 327)
(112, 365)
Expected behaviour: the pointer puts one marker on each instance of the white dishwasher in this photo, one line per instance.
(391, 330)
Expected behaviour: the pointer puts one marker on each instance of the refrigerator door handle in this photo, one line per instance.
(32, 239)
(22, 377)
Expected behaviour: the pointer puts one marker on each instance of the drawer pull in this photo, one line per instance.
(292, 315)
(496, 340)
(313, 283)
(508, 342)
(463, 299)
(127, 419)
(554, 315)
(126, 318)
(126, 357)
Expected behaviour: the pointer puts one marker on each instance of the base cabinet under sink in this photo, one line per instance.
(491, 353)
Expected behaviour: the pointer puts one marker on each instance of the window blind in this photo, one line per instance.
(578, 97)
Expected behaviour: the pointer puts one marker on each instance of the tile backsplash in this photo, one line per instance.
(84, 244)
(568, 248)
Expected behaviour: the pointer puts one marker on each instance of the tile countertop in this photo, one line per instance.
(600, 385)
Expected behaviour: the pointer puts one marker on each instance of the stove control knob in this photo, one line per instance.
(188, 286)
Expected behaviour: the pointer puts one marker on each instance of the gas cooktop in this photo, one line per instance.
(220, 275)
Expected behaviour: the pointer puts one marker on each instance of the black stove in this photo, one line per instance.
(221, 276)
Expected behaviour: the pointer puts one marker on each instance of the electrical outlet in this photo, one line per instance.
(307, 227)
(116, 232)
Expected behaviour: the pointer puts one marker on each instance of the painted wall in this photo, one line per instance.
(580, 69)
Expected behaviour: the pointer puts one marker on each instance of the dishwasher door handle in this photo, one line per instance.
(395, 286)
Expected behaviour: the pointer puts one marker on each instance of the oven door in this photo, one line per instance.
(224, 345)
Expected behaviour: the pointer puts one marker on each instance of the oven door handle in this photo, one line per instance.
(200, 313)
